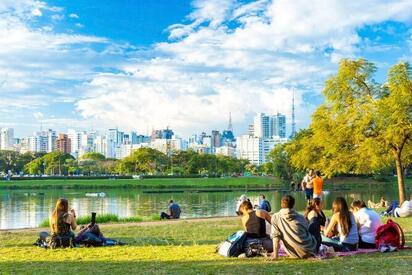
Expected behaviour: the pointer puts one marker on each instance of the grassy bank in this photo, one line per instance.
(180, 247)
(106, 218)
(242, 182)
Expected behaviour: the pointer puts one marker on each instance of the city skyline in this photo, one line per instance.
(183, 64)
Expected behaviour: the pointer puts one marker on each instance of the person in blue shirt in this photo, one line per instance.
(264, 203)
(173, 211)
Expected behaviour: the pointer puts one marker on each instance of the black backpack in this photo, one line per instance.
(61, 241)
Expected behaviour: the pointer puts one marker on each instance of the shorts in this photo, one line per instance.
(317, 196)
(309, 193)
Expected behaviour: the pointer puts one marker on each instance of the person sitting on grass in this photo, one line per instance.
(62, 222)
(293, 230)
(381, 204)
(405, 210)
(254, 224)
(173, 211)
(367, 221)
(390, 210)
(264, 204)
(342, 232)
(314, 211)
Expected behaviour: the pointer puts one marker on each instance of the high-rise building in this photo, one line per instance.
(250, 148)
(261, 126)
(6, 138)
(63, 144)
(38, 142)
(137, 139)
(278, 125)
(51, 140)
(216, 138)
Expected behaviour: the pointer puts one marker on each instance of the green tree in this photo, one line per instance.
(362, 126)
(144, 160)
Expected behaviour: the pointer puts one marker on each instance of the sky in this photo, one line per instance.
(142, 65)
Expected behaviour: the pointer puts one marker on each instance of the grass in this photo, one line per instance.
(242, 182)
(106, 218)
(179, 248)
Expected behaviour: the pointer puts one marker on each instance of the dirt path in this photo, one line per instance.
(108, 225)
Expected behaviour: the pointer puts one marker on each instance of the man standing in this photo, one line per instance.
(293, 230)
(264, 204)
(307, 185)
(173, 211)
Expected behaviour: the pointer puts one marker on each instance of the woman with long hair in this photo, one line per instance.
(62, 222)
(314, 210)
(342, 232)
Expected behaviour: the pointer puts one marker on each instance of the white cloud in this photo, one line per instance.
(73, 15)
(229, 56)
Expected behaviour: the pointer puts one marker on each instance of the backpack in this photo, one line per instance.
(253, 247)
(233, 246)
(390, 234)
(64, 240)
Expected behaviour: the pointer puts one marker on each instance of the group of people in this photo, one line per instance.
(393, 209)
(312, 185)
(302, 235)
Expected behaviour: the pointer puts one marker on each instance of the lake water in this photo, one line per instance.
(28, 208)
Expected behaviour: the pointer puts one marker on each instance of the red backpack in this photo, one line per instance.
(390, 234)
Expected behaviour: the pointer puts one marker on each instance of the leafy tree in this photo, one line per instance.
(362, 126)
(280, 162)
(51, 163)
(143, 160)
(93, 156)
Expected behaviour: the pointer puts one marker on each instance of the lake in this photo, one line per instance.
(28, 208)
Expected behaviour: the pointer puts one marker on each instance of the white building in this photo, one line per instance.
(167, 146)
(250, 148)
(226, 151)
(261, 126)
(51, 140)
(38, 142)
(6, 138)
(255, 149)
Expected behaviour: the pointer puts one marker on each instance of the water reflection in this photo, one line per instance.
(26, 208)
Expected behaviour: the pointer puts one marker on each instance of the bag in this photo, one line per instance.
(233, 246)
(390, 234)
(57, 241)
(254, 247)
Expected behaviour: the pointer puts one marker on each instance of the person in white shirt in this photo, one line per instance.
(307, 185)
(368, 222)
(405, 210)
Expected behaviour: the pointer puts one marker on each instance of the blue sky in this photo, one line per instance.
(141, 64)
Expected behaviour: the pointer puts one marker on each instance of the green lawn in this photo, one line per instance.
(145, 183)
(179, 248)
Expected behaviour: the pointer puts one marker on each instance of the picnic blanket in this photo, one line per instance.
(328, 255)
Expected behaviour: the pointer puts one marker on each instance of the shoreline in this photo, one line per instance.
(133, 224)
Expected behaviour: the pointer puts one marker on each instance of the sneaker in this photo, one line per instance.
(392, 248)
(243, 255)
(383, 248)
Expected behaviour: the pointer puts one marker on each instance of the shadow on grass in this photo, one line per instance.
(377, 264)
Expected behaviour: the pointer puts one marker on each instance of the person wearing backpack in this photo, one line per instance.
(341, 232)
(367, 221)
(62, 222)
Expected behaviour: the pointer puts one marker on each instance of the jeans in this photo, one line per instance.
(337, 245)
(164, 215)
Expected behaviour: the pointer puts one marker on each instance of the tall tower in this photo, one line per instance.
(293, 116)
(230, 126)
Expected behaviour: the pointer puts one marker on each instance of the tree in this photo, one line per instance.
(93, 156)
(144, 160)
(280, 161)
(362, 126)
(51, 163)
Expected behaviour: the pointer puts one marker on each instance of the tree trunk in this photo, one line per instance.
(400, 176)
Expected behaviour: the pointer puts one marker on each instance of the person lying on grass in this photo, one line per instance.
(290, 227)
(254, 224)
